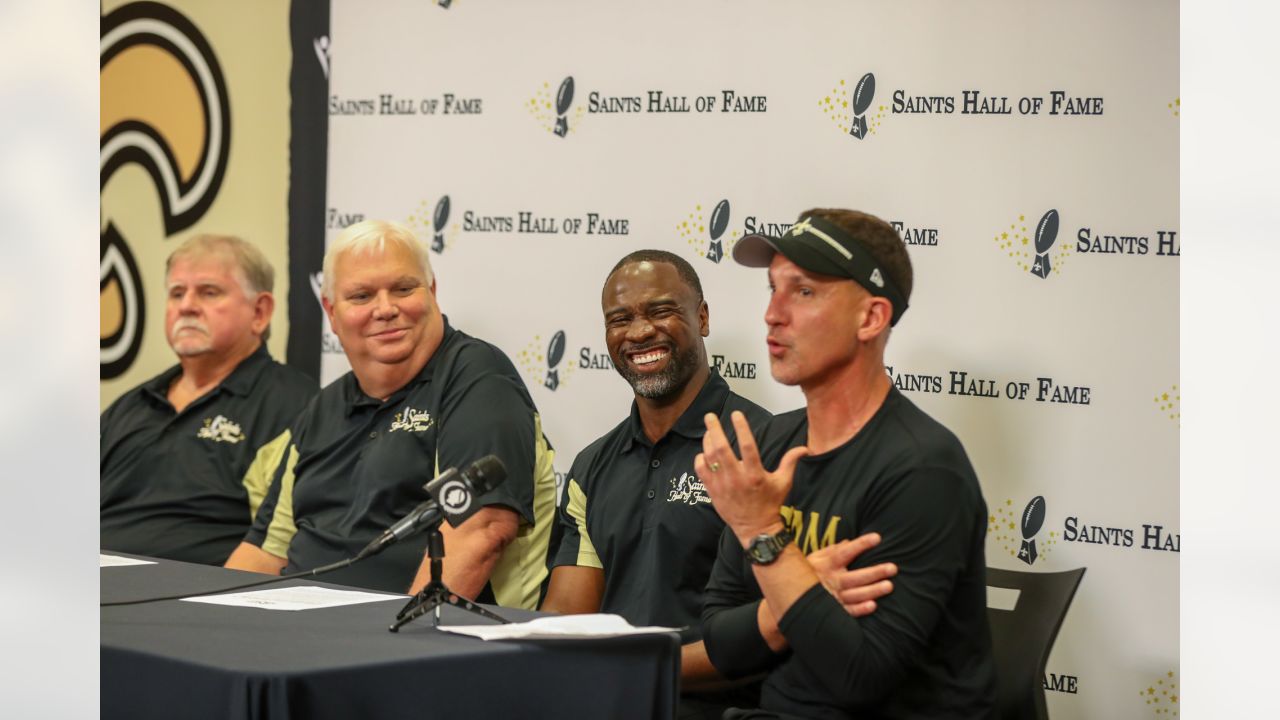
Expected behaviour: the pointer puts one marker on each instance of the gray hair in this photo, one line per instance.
(255, 271)
(372, 235)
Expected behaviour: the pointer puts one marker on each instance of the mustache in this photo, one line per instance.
(645, 347)
(189, 323)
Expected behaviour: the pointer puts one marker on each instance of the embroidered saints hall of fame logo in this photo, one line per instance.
(220, 429)
(434, 227)
(1035, 251)
(411, 420)
(852, 109)
(705, 232)
(688, 489)
(543, 364)
(554, 110)
(1019, 533)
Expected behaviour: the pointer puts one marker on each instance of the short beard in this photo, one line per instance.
(680, 369)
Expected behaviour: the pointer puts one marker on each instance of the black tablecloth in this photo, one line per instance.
(176, 659)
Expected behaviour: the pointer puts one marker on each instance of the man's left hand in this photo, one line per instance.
(857, 590)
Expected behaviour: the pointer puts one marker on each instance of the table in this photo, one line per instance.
(174, 659)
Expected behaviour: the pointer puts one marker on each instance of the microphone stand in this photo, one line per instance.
(436, 593)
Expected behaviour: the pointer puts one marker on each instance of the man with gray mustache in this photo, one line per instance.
(176, 450)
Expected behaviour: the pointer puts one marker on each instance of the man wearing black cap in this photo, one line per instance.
(640, 535)
(860, 457)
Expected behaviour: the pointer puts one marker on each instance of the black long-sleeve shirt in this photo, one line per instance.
(926, 650)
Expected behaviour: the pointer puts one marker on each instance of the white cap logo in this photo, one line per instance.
(876, 278)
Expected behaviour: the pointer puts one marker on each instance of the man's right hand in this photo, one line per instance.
(857, 590)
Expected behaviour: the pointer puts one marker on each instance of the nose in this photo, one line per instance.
(640, 329)
(775, 313)
(187, 302)
(384, 308)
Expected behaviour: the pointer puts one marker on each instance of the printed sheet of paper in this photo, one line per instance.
(117, 561)
(305, 597)
(598, 625)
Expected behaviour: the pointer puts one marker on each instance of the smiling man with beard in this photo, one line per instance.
(640, 534)
(176, 450)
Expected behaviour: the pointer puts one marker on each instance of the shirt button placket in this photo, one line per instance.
(654, 463)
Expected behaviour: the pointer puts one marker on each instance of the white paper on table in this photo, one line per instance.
(596, 625)
(304, 597)
(117, 561)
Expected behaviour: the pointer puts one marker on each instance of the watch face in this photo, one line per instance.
(764, 549)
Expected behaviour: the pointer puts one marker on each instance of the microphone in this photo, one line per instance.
(453, 496)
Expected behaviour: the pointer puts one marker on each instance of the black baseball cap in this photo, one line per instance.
(821, 246)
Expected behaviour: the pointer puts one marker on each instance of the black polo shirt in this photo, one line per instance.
(355, 465)
(176, 484)
(926, 650)
(638, 511)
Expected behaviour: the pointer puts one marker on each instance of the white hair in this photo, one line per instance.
(372, 235)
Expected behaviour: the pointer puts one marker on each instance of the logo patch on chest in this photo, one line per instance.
(220, 429)
(411, 420)
(688, 489)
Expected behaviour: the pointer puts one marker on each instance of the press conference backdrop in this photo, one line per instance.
(1027, 153)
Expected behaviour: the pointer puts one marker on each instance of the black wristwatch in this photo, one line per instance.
(764, 549)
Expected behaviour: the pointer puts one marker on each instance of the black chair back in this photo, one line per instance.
(1021, 638)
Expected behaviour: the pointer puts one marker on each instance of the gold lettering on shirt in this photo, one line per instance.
(805, 527)
(411, 420)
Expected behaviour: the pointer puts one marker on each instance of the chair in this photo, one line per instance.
(1022, 637)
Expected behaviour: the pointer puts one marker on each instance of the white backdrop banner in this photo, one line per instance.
(1027, 153)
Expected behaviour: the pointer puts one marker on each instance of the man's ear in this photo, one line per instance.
(877, 315)
(263, 307)
(704, 319)
(328, 311)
